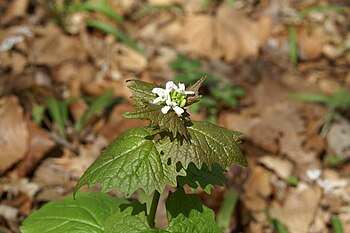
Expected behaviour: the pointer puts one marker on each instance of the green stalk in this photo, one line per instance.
(152, 213)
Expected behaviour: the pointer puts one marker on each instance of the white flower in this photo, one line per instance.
(163, 95)
(170, 98)
(313, 173)
(181, 89)
(331, 185)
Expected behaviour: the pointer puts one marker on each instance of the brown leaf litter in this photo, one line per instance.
(229, 34)
(14, 139)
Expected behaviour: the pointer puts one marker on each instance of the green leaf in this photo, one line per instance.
(169, 122)
(280, 228)
(339, 100)
(38, 113)
(110, 29)
(100, 6)
(293, 44)
(101, 102)
(191, 215)
(59, 113)
(196, 220)
(208, 144)
(142, 92)
(335, 160)
(293, 181)
(322, 9)
(188, 202)
(130, 162)
(309, 98)
(85, 214)
(126, 222)
(336, 225)
(204, 178)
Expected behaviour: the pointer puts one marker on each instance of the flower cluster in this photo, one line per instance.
(174, 97)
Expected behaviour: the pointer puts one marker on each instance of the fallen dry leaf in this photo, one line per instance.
(276, 125)
(282, 167)
(128, 58)
(8, 212)
(257, 188)
(230, 34)
(14, 135)
(338, 138)
(311, 42)
(54, 48)
(298, 210)
(17, 8)
(39, 144)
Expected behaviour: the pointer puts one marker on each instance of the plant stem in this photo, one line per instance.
(152, 213)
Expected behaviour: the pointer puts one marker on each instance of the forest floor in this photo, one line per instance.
(57, 58)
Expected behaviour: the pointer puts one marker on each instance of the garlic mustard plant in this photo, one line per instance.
(172, 150)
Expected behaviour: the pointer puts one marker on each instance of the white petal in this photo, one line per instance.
(170, 85)
(325, 185)
(178, 110)
(158, 99)
(169, 102)
(189, 92)
(165, 109)
(313, 173)
(158, 91)
(181, 87)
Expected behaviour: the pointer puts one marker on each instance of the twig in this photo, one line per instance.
(63, 142)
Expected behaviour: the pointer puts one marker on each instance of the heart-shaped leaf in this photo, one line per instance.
(205, 178)
(130, 162)
(85, 214)
(190, 216)
(208, 143)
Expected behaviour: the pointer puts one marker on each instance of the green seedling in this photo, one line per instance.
(218, 94)
(38, 113)
(293, 181)
(172, 150)
(99, 6)
(225, 213)
(293, 44)
(322, 9)
(101, 102)
(111, 29)
(277, 225)
(280, 228)
(336, 225)
(58, 110)
(292, 31)
(68, 8)
(334, 160)
(339, 101)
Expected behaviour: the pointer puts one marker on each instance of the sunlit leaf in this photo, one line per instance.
(130, 162)
(85, 214)
(208, 144)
